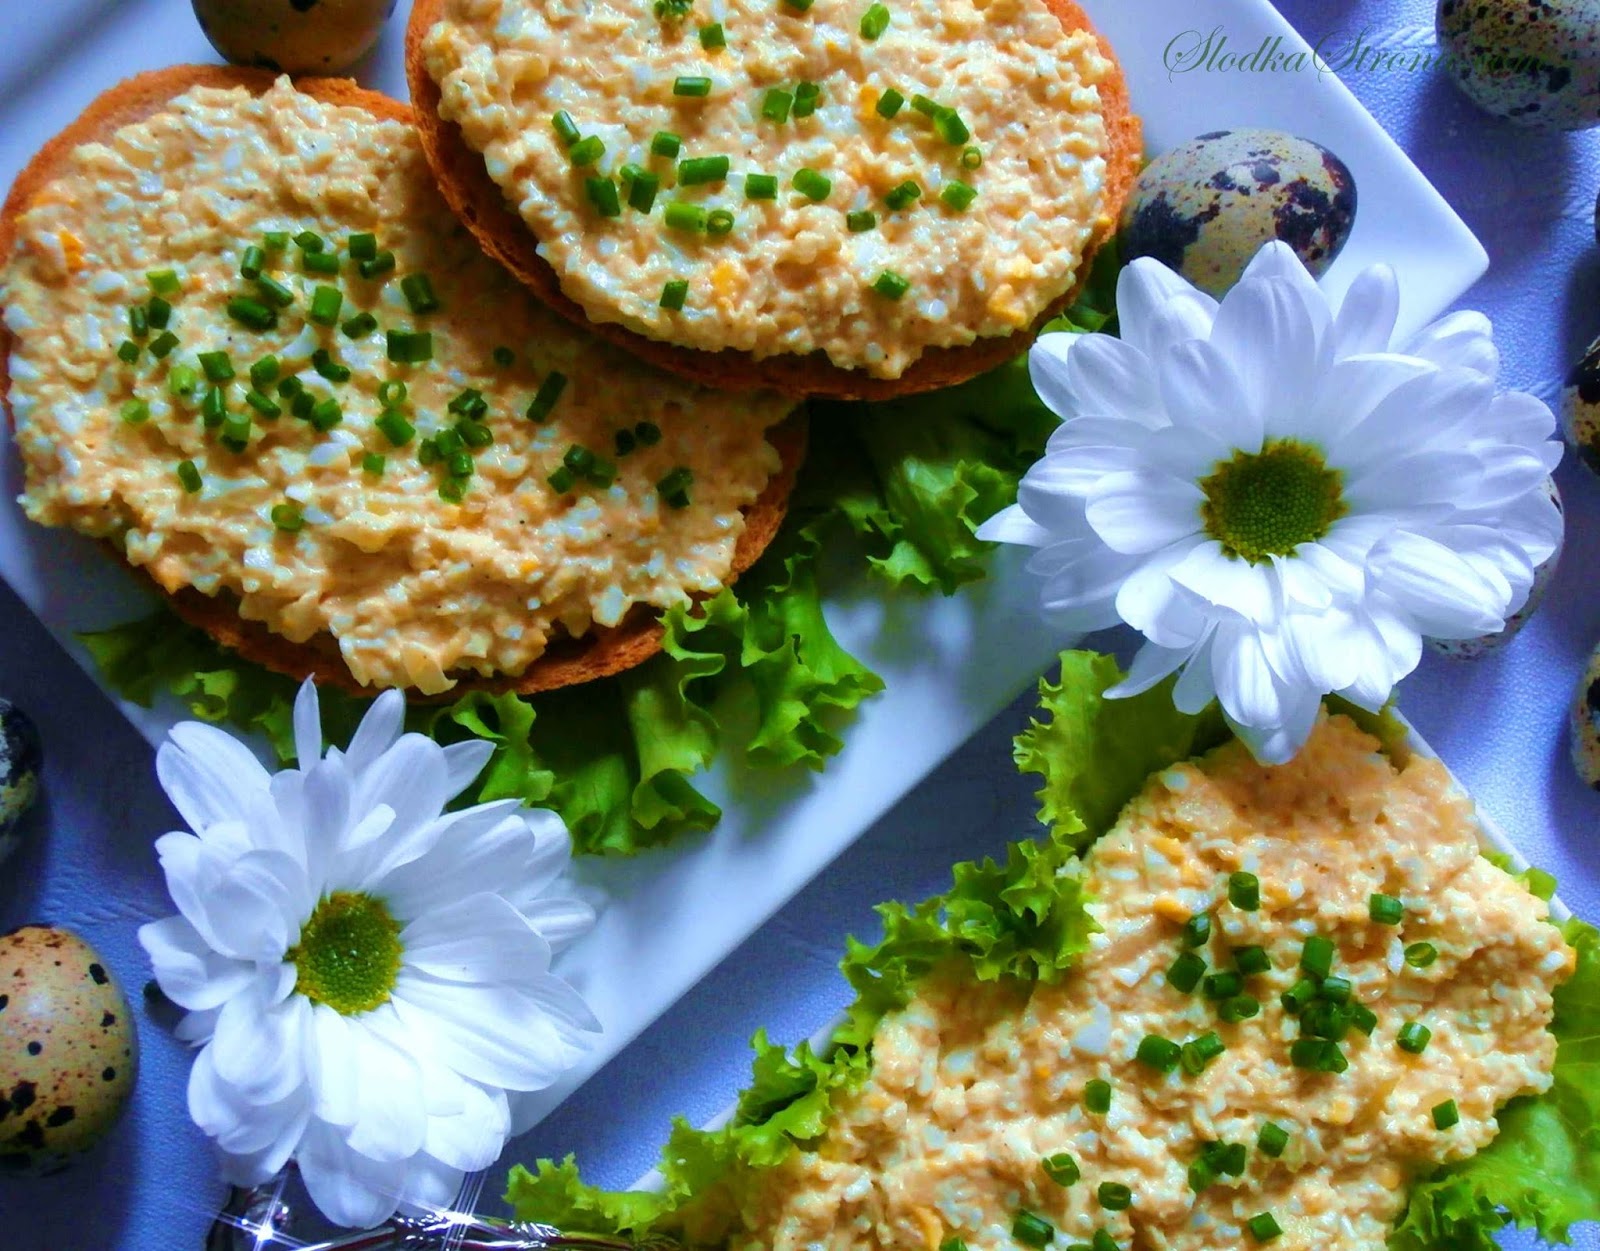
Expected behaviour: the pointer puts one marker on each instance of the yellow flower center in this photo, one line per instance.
(1267, 503)
(348, 956)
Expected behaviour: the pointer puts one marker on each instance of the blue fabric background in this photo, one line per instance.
(1499, 722)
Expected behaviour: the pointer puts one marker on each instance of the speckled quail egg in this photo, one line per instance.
(67, 1049)
(295, 36)
(1207, 207)
(1586, 724)
(1471, 649)
(1580, 408)
(21, 761)
(1533, 62)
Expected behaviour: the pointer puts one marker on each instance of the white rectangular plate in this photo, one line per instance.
(951, 665)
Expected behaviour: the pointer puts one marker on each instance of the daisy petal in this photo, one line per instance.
(1151, 665)
(1463, 340)
(1157, 308)
(1012, 525)
(347, 1187)
(1198, 390)
(463, 762)
(330, 1063)
(1138, 513)
(479, 939)
(307, 725)
(1271, 334)
(215, 772)
(1047, 370)
(1440, 593)
(259, 1047)
(391, 1123)
(1109, 378)
(189, 971)
(492, 1035)
(1366, 318)
(379, 729)
(472, 1138)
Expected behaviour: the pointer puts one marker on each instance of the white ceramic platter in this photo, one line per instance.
(950, 665)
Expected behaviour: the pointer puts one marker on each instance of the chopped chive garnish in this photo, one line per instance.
(544, 400)
(1184, 974)
(379, 265)
(392, 424)
(214, 406)
(391, 391)
(642, 191)
(322, 361)
(602, 193)
(860, 221)
(950, 126)
(674, 294)
(1244, 891)
(475, 434)
(181, 381)
(163, 281)
(702, 169)
(890, 285)
(874, 21)
(1156, 1052)
(1363, 1018)
(236, 432)
(252, 262)
(800, 6)
(158, 313)
(1386, 909)
(1228, 1158)
(1026, 1228)
(1421, 955)
(1263, 1227)
(275, 240)
(410, 347)
(162, 344)
(712, 37)
(562, 480)
(468, 403)
(566, 129)
(251, 313)
(1413, 1037)
(138, 321)
(427, 453)
(264, 372)
(1097, 1095)
(325, 305)
(890, 103)
(287, 518)
(373, 463)
(649, 434)
(971, 157)
(625, 442)
(503, 357)
(1201, 1173)
(578, 458)
(1251, 960)
(1103, 1241)
(1196, 930)
(135, 412)
(957, 195)
(1321, 1019)
(674, 488)
(289, 387)
(1335, 989)
(1297, 996)
(1201, 1051)
(602, 473)
(1238, 1008)
(359, 326)
(587, 151)
(459, 464)
(362, 247)
(326, 414)
(128, 351)
(1223, 985)
(262, 405)
(1316, 956)
(694, 86)
(681, 215)
(418, 290)
(302, 403)
(275, 291)
(760, 187)
(189, 476)
(1061, 1169)
(452, 490)
(665, 143)
(319, 262)
(216, 366)
(806, 96)
(1114, 1196)
(775, 105)
(719, 222)
(903, 196)
(1271, 1140)
(1320, 1055)
(309, 241)
(449, 443)
(811, 184)
(1446, 1115)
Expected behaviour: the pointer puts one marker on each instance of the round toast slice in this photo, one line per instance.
(481, 204)
(568, 662)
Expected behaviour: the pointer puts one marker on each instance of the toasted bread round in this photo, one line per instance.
(599, 654)
(481, 204)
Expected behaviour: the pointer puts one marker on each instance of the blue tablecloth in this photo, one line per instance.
(1499, 722)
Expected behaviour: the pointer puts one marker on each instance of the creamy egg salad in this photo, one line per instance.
(787, 176)
(1309, 989)
(253, 348)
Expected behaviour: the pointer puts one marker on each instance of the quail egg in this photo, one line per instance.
(1471, 649)
(1207, 207)
(1580, 408)
(295, 36)
(67, 1049)
(1532, 62)
(21, 762)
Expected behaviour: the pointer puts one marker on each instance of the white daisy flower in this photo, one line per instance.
(1279, 500)
(367, 975)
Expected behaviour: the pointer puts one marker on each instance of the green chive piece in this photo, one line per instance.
(452, 490)
(1156, 1052)
(775, 105)
(287, 518)
(459, 464)
(275, 240)
(1244, 891)
(674, 294)
(362, 247)
(694, 86)
(950, 127)
(135, 412)
(1413, 1037)
(890, 103)
(262, 404)
(379, 265)
(325, 305)
(326, 414)
(408, 347)
(251, 313)
(957, 195)
(1097, 1095)
(158, 313)
(860, 221)
(1320, 1055)
(625, 442)
(427, 452)
(874, 22)
(181, 381)
(971, 158)
(392, 424)
(359, 326)
(1251, 960)
(811, 184)
(163, 281)
(648, 433)
(928, 108)
(1263, 1227)
(578, 458)
(1316, 956)
(890, 285)
(1201, 1174)
(1028, 1229)
(275, 292)
(319, 262)
(236, 432)
(665, 143)
(216, 366)
(562, 480)
(712, 37)
(373, 463)
(681, 215)
(642, 191)
(1061, 1168)
(587, 151)
(953, 1243)
(302, 404)
(189, 476)
(807, 95)
(252, 263)
(475, 434)
(602, 193)
(1421, 955)
(309, 241)
(128, 351)
(1103, 1241)
(1297, 996)
(1114, 1196)
(162, 344)
(1223, 985)
(1335, 989)
(1196, 930)
(1238, 1008)
(760, 187)
(418, 290)
(1321, 1019)
(602, 473)
(719, 222)
(1272, 1139)
(290, 387)
(799, 6)
(1363, 1018)
(1446, 1115)
(449, 443)
(544, 400)
(322, 361)
(702, 169)
(214, 406)
(138, 321)
(903, 196)
(1226, 1157)
(264, 372)
(1201, 1051)
(468, 403)
(1385, 909)
(1184, 974)
(391, 391)
(566, 129)
(504, 357)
